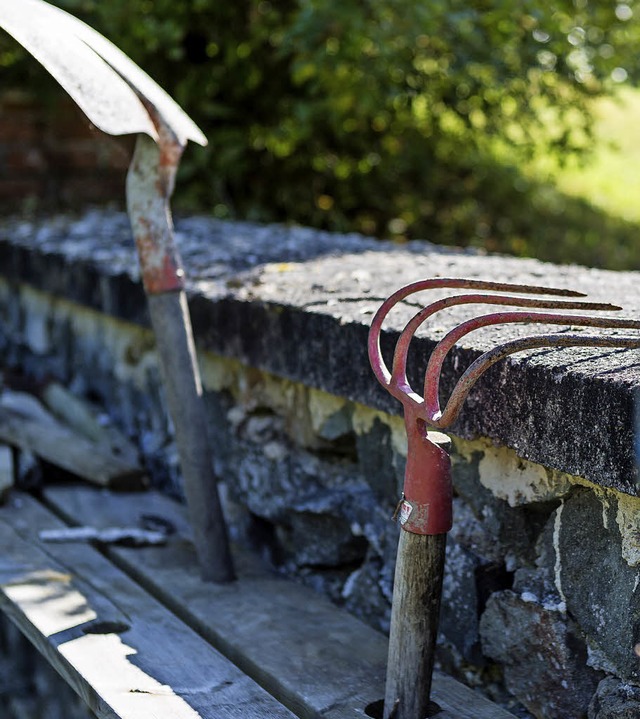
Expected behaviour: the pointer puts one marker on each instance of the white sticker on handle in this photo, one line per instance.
(405, 511)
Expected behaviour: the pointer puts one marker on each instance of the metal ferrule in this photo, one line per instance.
(426, 507)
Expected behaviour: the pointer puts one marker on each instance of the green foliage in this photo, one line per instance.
(390, 117)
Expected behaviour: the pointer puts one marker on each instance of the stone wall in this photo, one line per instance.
(541, 606)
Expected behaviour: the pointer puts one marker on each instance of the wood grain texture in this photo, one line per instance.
(417, 590)
(124, 653)
(314, 657)
(87, 419)
(181, 378)
(66, 449)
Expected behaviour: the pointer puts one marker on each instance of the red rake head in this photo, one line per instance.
(396, 382)
(427, 483)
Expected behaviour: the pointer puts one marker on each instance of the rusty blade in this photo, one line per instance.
(378, 365)
(486, 360)
(103, 81)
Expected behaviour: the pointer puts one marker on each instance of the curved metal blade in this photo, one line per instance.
(107, 86)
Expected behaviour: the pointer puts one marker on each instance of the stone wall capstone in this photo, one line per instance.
(541, 601)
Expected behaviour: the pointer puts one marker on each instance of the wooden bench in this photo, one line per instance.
(137, 634)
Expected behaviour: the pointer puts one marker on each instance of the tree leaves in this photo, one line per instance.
(370, 114)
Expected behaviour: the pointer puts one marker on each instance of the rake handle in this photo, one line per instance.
(414, 625)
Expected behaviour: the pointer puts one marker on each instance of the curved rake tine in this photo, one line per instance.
(399, 368)
(479, 366)
(432, 376)
(375, 356)
(425, 506)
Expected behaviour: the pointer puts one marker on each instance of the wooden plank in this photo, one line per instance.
(27, 406)
(123, 652)
(87, 419)
(64, 448)
(314, 657)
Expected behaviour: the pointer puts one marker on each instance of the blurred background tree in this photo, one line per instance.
(400, 118)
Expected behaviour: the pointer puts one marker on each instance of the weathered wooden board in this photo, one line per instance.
(66, 449)
(87, 419)
(124, 653)
(314, 657)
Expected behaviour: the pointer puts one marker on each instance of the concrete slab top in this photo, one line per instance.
(298, 302)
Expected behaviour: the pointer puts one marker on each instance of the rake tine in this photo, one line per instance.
(432, 376)
(399, 367)
(375, 356)
(486, 360)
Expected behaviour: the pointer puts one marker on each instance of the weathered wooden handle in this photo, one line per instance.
(414, 624)
(174, 341)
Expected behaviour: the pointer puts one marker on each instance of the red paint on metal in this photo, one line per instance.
(426, 507)
(160, 266)
(427, 481)
(168, 277)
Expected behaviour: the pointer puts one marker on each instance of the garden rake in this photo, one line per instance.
(425, 507)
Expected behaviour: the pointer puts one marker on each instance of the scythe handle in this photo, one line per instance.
(149, 186)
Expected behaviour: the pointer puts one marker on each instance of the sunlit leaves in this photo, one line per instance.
(376, 115)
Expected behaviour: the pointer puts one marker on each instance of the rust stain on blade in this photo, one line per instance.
(149, 185)
(161, 268)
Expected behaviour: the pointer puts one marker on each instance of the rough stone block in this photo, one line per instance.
(367, 590)
(459, 620)
(615, 700)
(543, 659)
(378, 462)
(514, 528)
(599, 586)
(320, 540)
